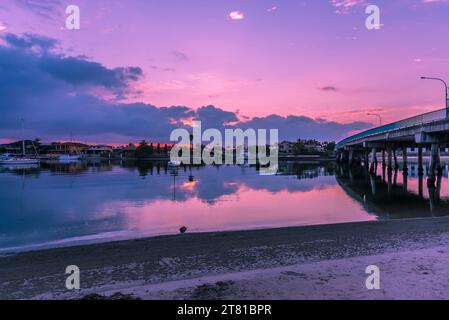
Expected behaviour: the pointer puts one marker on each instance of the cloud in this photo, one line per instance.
(272, 9)
(435, 1)
(77, 71)
(2, 27)
(30, 41)
(346, 6)
(328, 88)
(43, 8)
(180, 56)
(236, 15)
(215, 117)
(293, 127)
(166, 69)
(36, 53)
(56, 95)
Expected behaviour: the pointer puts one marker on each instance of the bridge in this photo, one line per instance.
(428, 130)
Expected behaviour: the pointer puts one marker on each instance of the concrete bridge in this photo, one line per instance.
(429, 130)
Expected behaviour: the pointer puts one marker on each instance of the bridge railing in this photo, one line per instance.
(409, 122)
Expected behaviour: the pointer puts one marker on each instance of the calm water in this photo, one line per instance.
(59, 204)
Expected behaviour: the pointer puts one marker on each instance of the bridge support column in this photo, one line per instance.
(372, 168)
(383, 158)
(339, 156)
(405, 181)
(390, 159)
(404, 160)
(343, 156)
(351, 157)
(366, 159)
(396, 165)
(420, 162)
(435, 163)
(420, 185)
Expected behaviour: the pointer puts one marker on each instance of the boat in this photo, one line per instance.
(69, 157)
(174, 164)
(6, 159)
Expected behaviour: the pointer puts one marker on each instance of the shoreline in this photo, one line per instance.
(228, 264)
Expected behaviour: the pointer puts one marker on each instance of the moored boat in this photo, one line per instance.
(69, 157)
(7, 160)
(174, 164)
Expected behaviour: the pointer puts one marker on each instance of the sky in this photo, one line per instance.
(137, 69)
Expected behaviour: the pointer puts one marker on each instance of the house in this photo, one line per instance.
(128, 151)
(313, 148)
(286, 147)
(68, 147)
(414, 150)
(99, 151)
(16, 148)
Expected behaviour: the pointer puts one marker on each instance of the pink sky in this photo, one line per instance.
(274, 57)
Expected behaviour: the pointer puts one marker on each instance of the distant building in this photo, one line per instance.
(414, 150)
(128, 151)
(16, 148)
(99, 151)
(313, 147)
(69, 147)
(286, 147)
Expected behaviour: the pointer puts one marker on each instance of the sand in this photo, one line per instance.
(315, 262)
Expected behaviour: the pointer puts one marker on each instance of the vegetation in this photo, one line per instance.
(313, 146)
(144, 150)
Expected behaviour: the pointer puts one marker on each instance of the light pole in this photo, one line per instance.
(376, 115)
(446, 89)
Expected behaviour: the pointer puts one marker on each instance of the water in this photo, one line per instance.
(68, 204)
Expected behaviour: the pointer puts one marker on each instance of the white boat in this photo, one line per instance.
(7, 160)
(174, 164)
(69, 157)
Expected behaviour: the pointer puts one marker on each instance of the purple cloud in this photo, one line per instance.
(53, 92)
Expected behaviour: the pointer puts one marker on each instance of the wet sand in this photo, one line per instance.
(314, 262)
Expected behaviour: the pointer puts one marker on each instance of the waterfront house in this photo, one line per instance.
(100, 151)
(128, 152)
(286, 148)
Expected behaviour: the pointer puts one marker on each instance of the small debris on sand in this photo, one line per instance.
(115, 296)
(212, 291)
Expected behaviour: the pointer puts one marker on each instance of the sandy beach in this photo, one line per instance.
(314, 262)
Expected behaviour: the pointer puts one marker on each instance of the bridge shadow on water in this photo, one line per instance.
(391, 194)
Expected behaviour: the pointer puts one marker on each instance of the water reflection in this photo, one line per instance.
(70, 203)
(396, 193)
(78, 202)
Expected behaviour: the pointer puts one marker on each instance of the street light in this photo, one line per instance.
(376, 115)
(446, 101)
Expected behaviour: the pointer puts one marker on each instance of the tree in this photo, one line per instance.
(329, 146)
(299, 147)
(143, 143)
(144, 150)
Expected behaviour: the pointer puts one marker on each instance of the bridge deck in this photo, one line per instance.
(403, 130)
